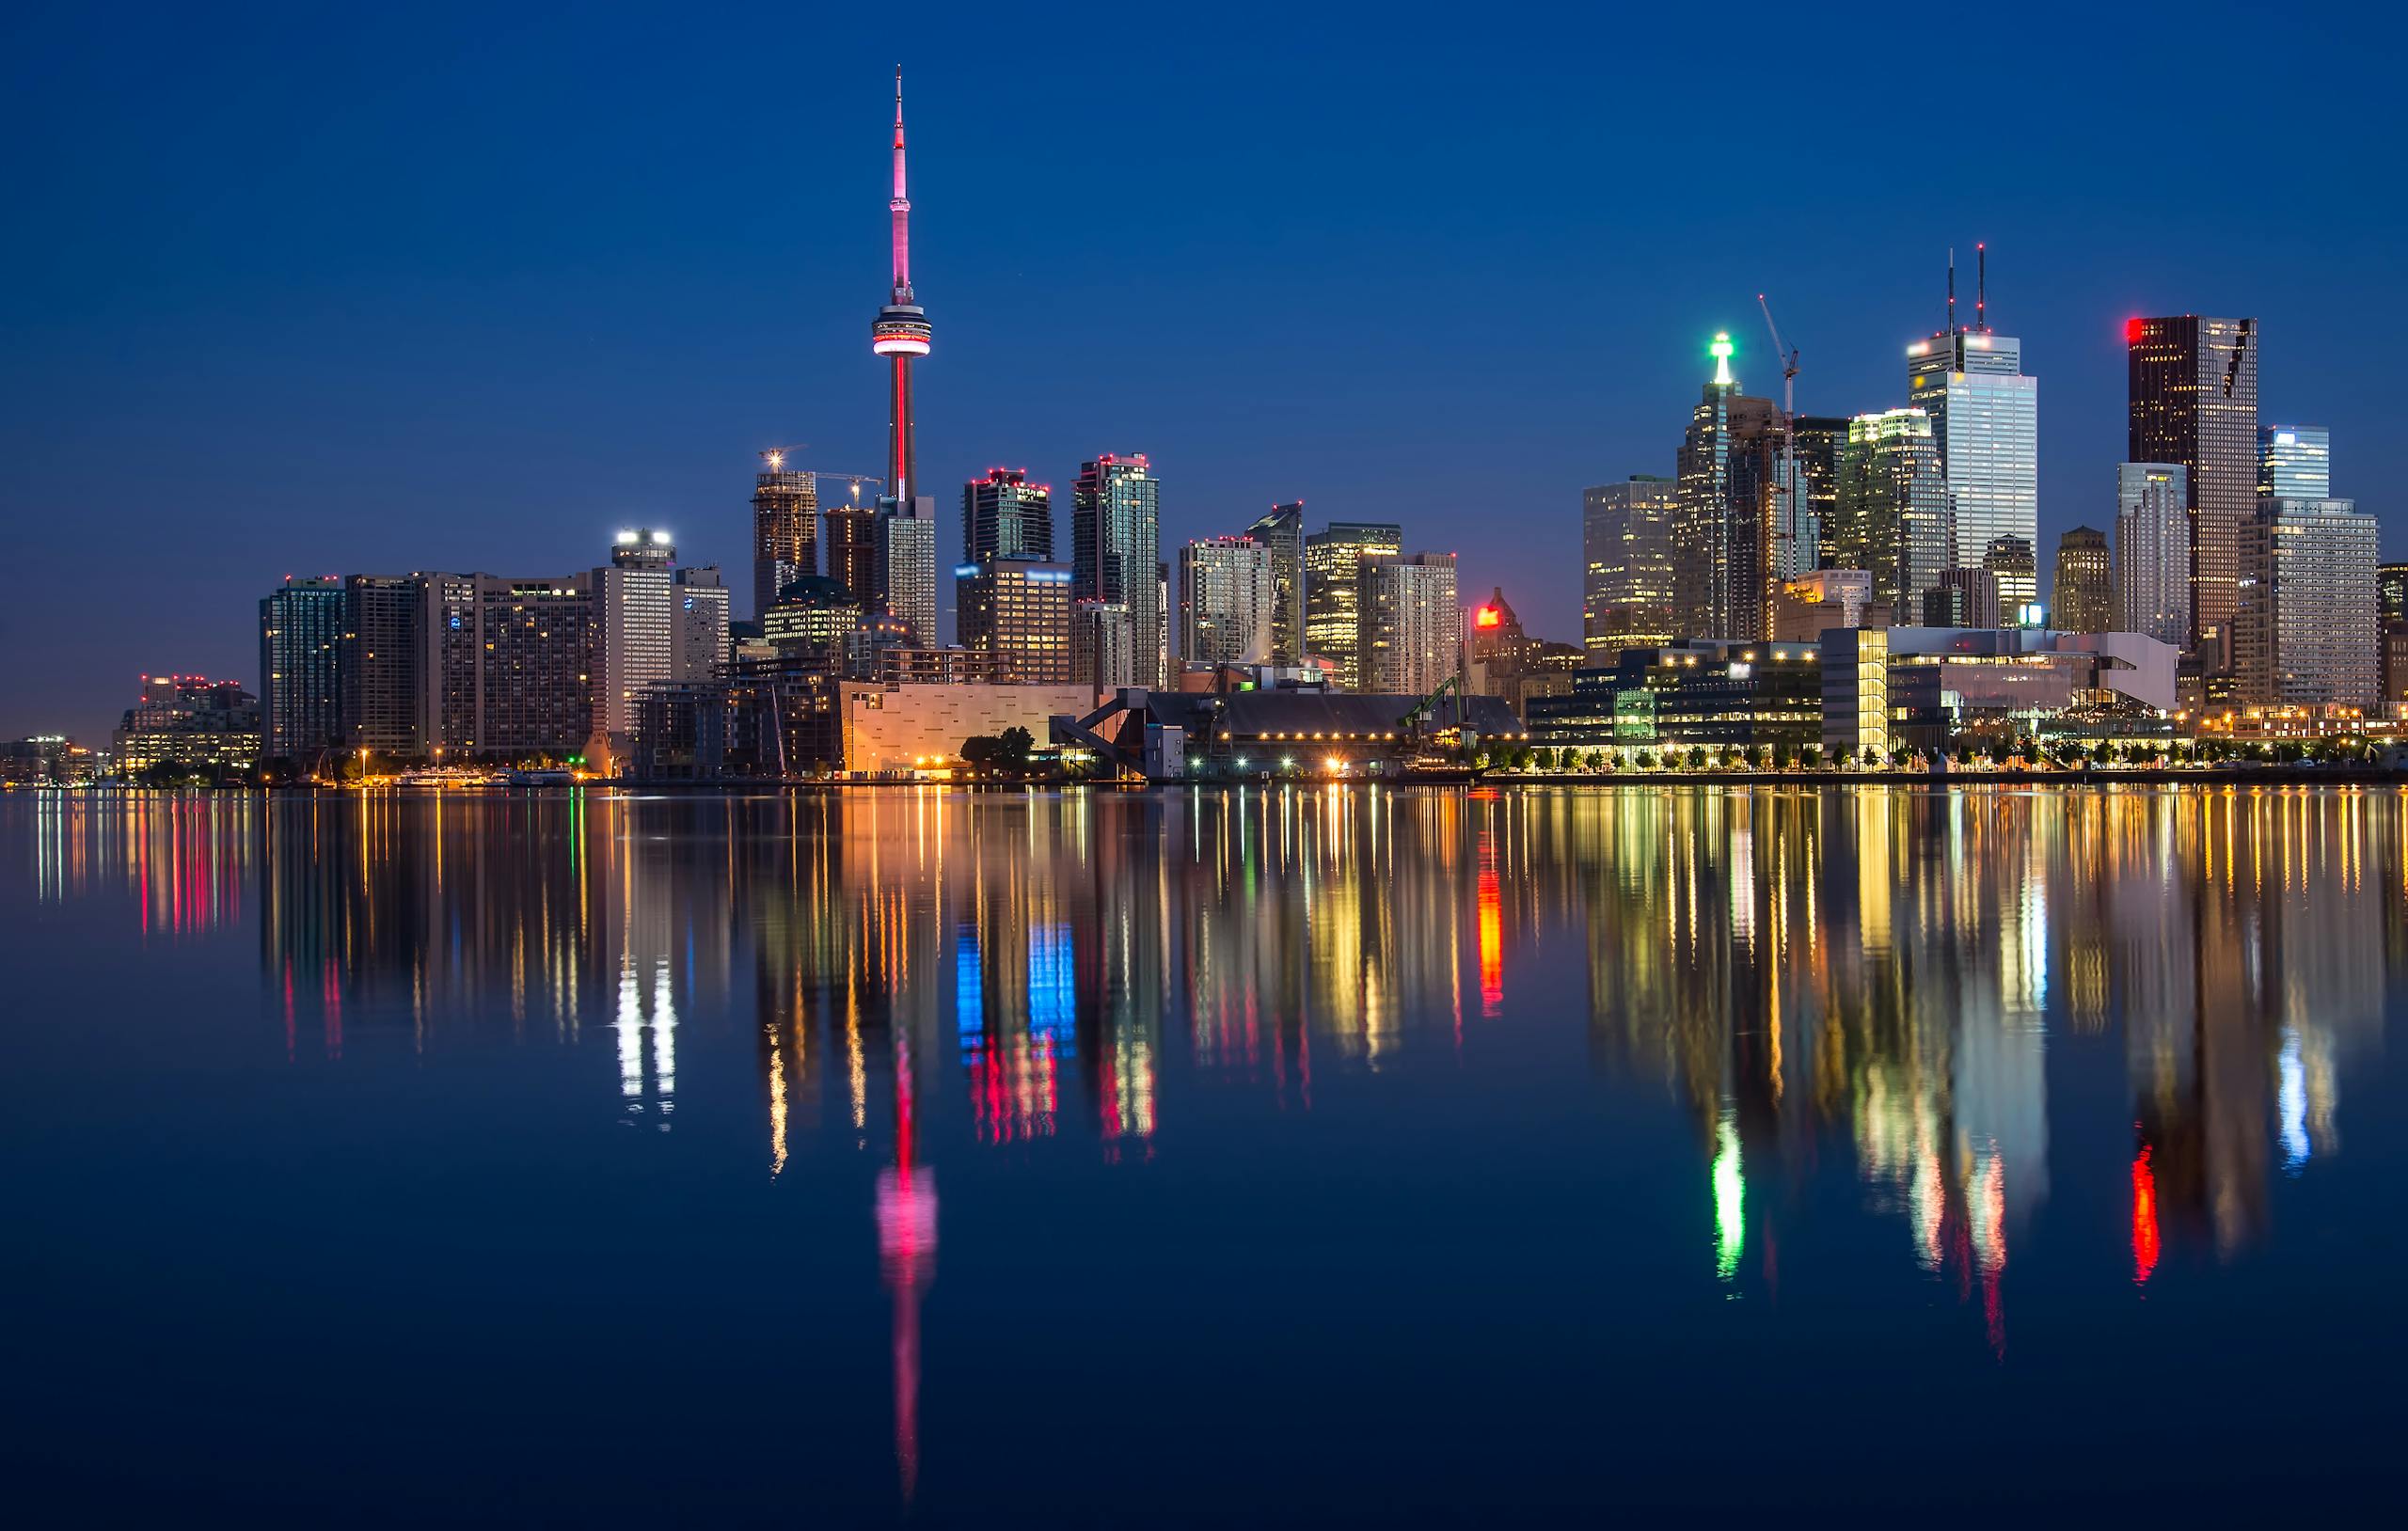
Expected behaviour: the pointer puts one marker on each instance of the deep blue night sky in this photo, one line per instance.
(374, 289)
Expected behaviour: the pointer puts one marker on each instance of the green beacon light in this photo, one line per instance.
(1720, 351)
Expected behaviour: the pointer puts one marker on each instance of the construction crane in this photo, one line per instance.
(776, 458)
(1785, 525)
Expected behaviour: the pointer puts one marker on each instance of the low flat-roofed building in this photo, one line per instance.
(1712, 692)
(897, 728)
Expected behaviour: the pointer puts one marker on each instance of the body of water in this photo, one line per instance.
(1277, 1155)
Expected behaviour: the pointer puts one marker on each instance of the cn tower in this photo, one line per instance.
(901, 331)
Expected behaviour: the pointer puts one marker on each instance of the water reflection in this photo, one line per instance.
(1879, 975)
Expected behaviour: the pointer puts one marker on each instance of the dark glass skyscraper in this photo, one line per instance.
(2193, 402)
(1283, 532)
(301, 628)
(852, 550)
(1004, 516)
(1115, 536)
(1722, 532)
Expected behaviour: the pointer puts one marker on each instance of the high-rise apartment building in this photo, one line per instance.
(2294, 462)
(301, 628)
(383, 692)
(2011, 562)
(1019, 611)
(1723, 543)
(1005, 516)
(785, 529)
(1893, 519)
(1115, 537)
(1411, 624)
(1626, 551)
(2082, 600)
(1334, 591)
(2193, 402)
(2307, 629)
(1227, 600)
(700, 615)
(907, 565)
(1282, 531)
(1103, 645)
(536, 691)
(1985, 423)
(852, 551)
(2153, 550)
(451, 662)
(636, 635)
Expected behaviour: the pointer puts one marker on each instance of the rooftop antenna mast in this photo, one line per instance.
(1982, 287)
(1952, 290)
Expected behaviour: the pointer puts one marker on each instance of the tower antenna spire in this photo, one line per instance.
(1952, 290)
(1981, 286)
(901, 205)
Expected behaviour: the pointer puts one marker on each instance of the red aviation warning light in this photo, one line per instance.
(2133, 330)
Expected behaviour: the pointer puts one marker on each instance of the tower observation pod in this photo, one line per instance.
(900, 332)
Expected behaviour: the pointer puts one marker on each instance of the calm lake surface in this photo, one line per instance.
(1287, 1155)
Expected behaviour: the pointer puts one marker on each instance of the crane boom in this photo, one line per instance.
(1785, 525)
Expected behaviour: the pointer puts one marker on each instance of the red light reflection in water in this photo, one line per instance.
(2145, 1237)
(1491, 933)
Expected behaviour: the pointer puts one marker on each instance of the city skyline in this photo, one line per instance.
(492, 452)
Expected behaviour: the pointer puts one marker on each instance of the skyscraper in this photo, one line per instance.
(1018, 611)
(383, 693)
(1115, 538)
(785, 529)
(2012, 562)
(2391, 593)
(2153, 550)
(2391, 610)
(2193, 402)
(2083, 599)
(1283, 532)
(1004, 516)
(2294, 462)
(2306, 631)
(1985, 421)
(1893, 508)
(636, 640)
(1333, 589)
(1412, 626)
(301, 628)
(1227, 596)
(1103, 647)
(1723, 550)
(1963, 598)
(1627, 550)
(700, 618)
(852, 551)
(906, 572)
(900, 334)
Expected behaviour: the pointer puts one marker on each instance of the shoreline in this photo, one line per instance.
(2223, 777)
